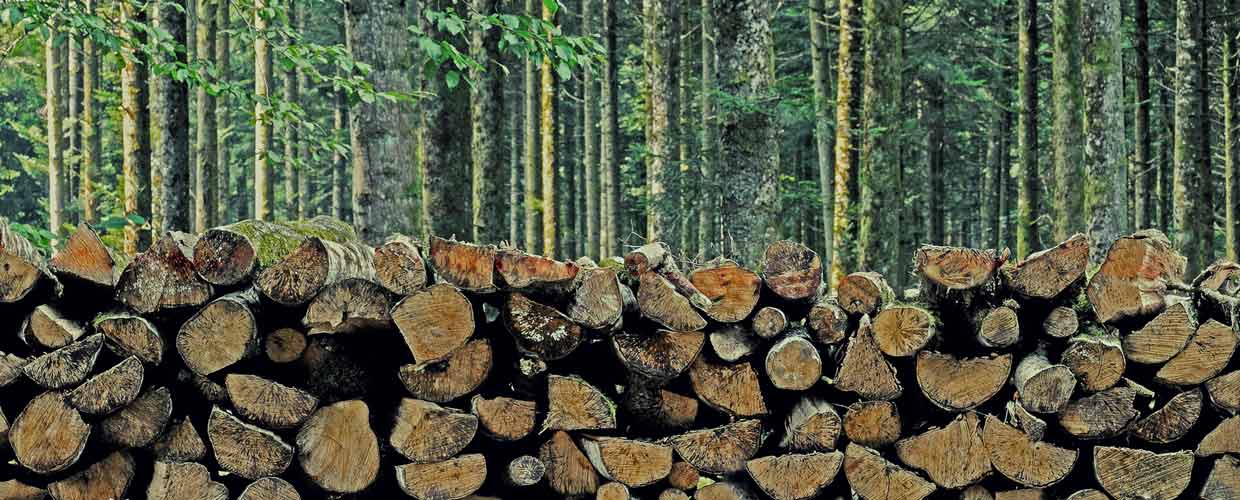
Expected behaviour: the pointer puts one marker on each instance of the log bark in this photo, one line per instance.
(163, 277)
(220, 334)
(540, 330)
(67, 366)
(269, 488)
(568, 471)
(269, 404)
(720, 450)
(865, 370)
(873, 423)
(434, 322)
(630, 462)
(1097, 361)
(1099, 416)
(337, 450)
(233, 254)
(468, 267)
(902, 331)
(1061, 323)
(1207, 353)
(864, 293)
(953, 456)
(769, 322)
(997, 327)
(794, 477)
(959, 384)
(505, 419)
(574, 404)
(131, 335)
(48, 435)
(1048, 274)
(1130, 473)
(349, 306)
(109, 390)
(1132, 282)
(792, 271)
(140, 422)
(180, 442)
(660, 356)
(1043, 387)
(732, 290)
(48, 328)
(875, 478)
(828, 321)
(729, 388)
(246, 450)
(451, 479)
(524, 471)
(1029, 462)
(1172, 421)
(85, 259)
(460, 373)
(184, 480)
(315, 264)
(812, 425)
(425, 432)
(1162, 337)
(399, 266)
(793, 363)
(658, 300)
(110, 477)
(285, 345)
(22, 267)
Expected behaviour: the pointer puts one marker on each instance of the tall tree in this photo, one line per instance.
(708, 203)
(302, 149)
(530, 162)
(55, 120)
(1106, 177)
(486, 98)
(264, 190)
(292, 139)
(847, 83)
(207, 166)
(135, 130)
(515, 174)
(882, 184)
(1027, 207)
(660, 63)
(1067, 134)
(170, 117)
(444, 149)
(223, 64)
(90, 125)
(546, 93)
(73, 119)
(820, 73)
(1191, 218)
(1231, 127)
(589, 142)
(1147, 174)
(935, 116)
(609, 159)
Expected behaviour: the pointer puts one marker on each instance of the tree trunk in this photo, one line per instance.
(846, 168)
(1231, 130)
(55, 136)
(1145, 215)
(1067, 132)
(73, 120)
(934, 159)
(533, 197)
(547, 95)
(1191, 218)
(660, 64)
(1027, 239)
(590, 143)
(207, 166)
(708, 203)
(264, 188)
(302, 148)
(340, 163)
(819, 55)
(486, 97)
(170, 118)
(687, 186)
(90, 160)
(1106, 177)
(444, 153)
(882, 185)
(609, 150)
(291, 139)
(232, 200)
(515, 173)
(135, 136)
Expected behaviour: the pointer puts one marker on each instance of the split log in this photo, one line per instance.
(1225, 438)
(1207, 353)
(612, 491)
(269, 488)
(232, 254)
(1061, 323)
(769, 322)
(458, 374)
(1089, 494)
(85, 259)
(873, 477)
(180, 442)
(902, 331)
(203, 387)
(977, 492)
(312, 266)
(1129, 473)
(1099, 416)
(1173, 420)
(959, 384)
(630, 462)
(12, 367)
(724, 490)
(997, 327)
(540, 330)
(1043, 387)
(1045, 275)
(953, 456)
(426, 432)
(183, 481)
(46, 327)
(660, 356)
(733, 341)
(1164, 336)
(568, 471)
(828, 321)
(600, 301)
(67, 366)
(139, 423)
(220, 334)
(163, 277)
(337, 450)
(732, 290)
(348, 306)
(468, 267)
(434, 322)
(246, 450)
(130, 335)
(1028, 462)
(1224, 391)
(528, 273)
(4, 430)
(1215, 305)
(794, 477)
(873, 423)
(656, 258)
(730, 388)
(269, 404)
(524, 471)
(660, 409)
(792, 271)
(865, 370)
(574, 404)
(109, 390)
(399, 266)
(284, 345)
(22, 268)
(793, 363)
(17, 490)
(451, 479)
(1096, 360)
(1021, 494)
(720, 450)
(957, 268)
(1223, 482)
(812, 425)
(48, 435)
(107, 478)
(673, 494)
(505, 419)
(658, 300)
(864, 293)
(1029, 423)
(684, 476)
(1132, 282)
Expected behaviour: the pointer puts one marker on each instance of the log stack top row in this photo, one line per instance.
(291, 360)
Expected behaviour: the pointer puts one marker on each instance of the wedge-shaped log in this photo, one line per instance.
(959, 384)
(953, 456)
(348, 306)
(67, 366)
(451, 479)
(85, 259)
(17, 490)
(539, 329)
(47, 327)
(729, 388)
(865, 370)
(399, 266)
(873, 477)
(269, 404)
(426, 432)
(873, 423)
(1132, 282)
(110, 477)
(534, 273)
(1223, 483)
(140, 422)
(131, 335)
(794, 477)
(658, 300)
(180, 442)
(1043, 387)
(270, 488)
(1173, 420)
(336, 448)
(1047, 274)
(1130, 473)
(1224, 391)
(458, 374)
(184, 480)
(684, 476)
(1207, 353)
(574, 404)
(568, 471)
(631, 462)
(600, 300)
(725, 490)
(1164, 336)
(1099, 416)
(505, 419)
(662, 355)
(1225, 438)
(812, 425)
(22, 266)
(163, 277)
(246, 450)
(1097, 361)
(720, 450)
(1036, 464)
(12, 367)
(734, 341)
(109, 390)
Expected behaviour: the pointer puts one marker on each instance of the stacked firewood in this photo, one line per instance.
(291, 360)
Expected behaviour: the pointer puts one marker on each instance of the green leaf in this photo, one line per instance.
(452, 78)
(551, 5)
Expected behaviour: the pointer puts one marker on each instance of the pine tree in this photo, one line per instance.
(135, 133)
(1028, 211)
(847, 84)
(1106, 170)
(882, 145)
(660, 63)
(264, 189)
(1190, 214)
(207, 166)
(1068, 103)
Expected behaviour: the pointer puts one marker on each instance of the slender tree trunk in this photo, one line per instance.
(1231, 127)
(72, 155)
(708, 205)
(55, 136)
(170, 117)
(302, 146)
(191, 54)
(1067, 134)
(819, 55)
(89, 126)
(1166, 168)
(532, 198)
(998, 160)
(546, 94)
(264, 190)
(609, 163)
(1106, 170)
(882, 105)
(936, 199)
(1146, 171)
(515, 173)
(686, 185)
(223, 166)
(1205, 223)
(291, 138)
(207, 167)
(659, 62)
(486, 98)
(846, 168)
(589, 143)
(1189, 183)
(135, 134)
(1030, 188)
(340, 163)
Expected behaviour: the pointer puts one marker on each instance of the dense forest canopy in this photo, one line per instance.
(577, 127)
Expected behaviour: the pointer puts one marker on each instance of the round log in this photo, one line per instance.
(48, 435)
(1061, 323)
(524, 471)
(872, 423)
(997, 327)
(828, 321)
(220, 334)
(399, 266)
(864, 293)
(902, 331)
(1043, 387)
(284, 345)
(732, 290)
(793, 363)
(434, 322)
(313, 265)
(1097, 361)
(270, 488)
(769, 322)
(792, 271)
(232, 254)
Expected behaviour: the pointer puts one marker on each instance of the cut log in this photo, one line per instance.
(67, 366)
(269, 404)
(85, 259)
(977, 492)
(1164, 336)
(1096, 360)
(1129, 473)
(724, 490)
(732, 290)
(111, 389)
(448, 480)
(648, 257)
(348, 306)
(660, 356)
(505, 419)
(1099, 416)
(4, 430)
(434, 322)
(315, 264)
(1028, 462)
(658, 300)
(468, 267)
(953, 456)
(1207, 353)
(139, 423)
(684, 476)
(48, 435)
(1225, 438)
(528, 273)
(959, 384)
(769, 322)
(1173, 420)
(631, 462)
(873, 477)
(12, 367)
(163, 278)
(568, 471)
(828, 321)
(957, 268)
(865, 370)
(540, 330)
(183, 481)
(180, 442)
(229, 255)
(426, 432)
(864, 293)
(46, 327)
(204, 387)
(729, 388)
(872, 423)
(1214, 304)
(720, 450)
(1223, 482)
(524, 471)
(812, 425)
(794, 477)
(733, 341)
(600, 301)
(1032, 425)
(997, 327)
(673, 494)
(107, 478)
(902, 331)
(792, 271)
(460, 373)
(337, 450)
(1061, 323)
(1132, 282)
(793, 363)
(284, 345)
(270, 488)
(246, 450)
(574, 404)
(659, 409)
(130, 335)
(399, 265)
(220, 334)
(1021, 494)
(22, 267)
(1043, 387)
(1047, 274)
(612, 491)
(17, 490)
(1090, 494)
(1224, 391)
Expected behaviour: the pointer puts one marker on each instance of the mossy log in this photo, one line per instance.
(232, 254)
(315, 264)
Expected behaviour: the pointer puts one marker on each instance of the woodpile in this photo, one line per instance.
(292, 360)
